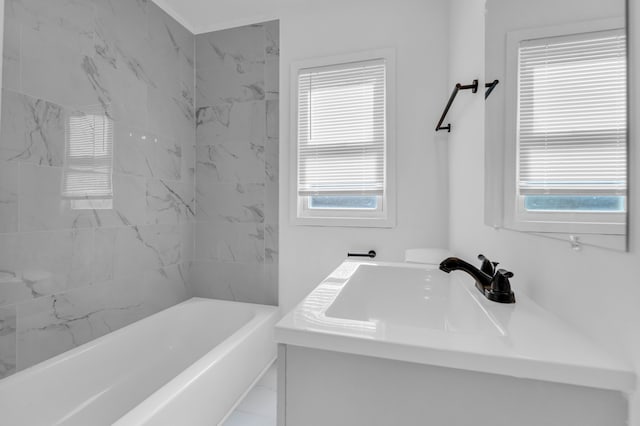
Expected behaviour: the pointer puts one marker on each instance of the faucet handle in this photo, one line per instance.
(487, 267)
(505, 273)
(500, 290)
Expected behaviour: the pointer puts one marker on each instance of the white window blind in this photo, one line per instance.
(572, 114)
(89, 158)
(341, 129)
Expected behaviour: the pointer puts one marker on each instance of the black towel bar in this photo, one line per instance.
(474, 88)
(371, 254)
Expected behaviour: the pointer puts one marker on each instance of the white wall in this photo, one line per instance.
(417, 29)
(596, 290)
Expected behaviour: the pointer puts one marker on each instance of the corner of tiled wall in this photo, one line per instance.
(236, 231)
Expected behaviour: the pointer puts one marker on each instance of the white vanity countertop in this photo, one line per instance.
(417, 313)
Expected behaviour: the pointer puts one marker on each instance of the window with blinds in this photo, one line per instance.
(89, 161)
(572, 115)
(342, 133)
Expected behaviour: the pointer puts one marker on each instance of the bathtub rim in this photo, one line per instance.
(74, 352)
(147, 408)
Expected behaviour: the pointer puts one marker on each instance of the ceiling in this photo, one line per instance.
(201, 16)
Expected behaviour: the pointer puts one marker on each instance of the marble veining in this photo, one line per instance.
(192, 140)
(236, 243)
(49, 326)
(9, 196)
(44, 131)
(33, 130)
(7, 341)
(185, 103)
(164, 286)
(169, 202)
(167, 163)
(56, 36)
(271, 161)
(230, 202)
(236, 55)
(54, 324)
(236, 122)
(73, 269)
(219, 114)
(272, 62)
(36, 264)
(42, 207)
(271, 243)
(125, 250)
(233, 281)
(68, 15)
(122, 74)
(188, 171)
(93, 76)
(233, 162)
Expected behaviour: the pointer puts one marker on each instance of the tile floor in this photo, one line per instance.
(258, 408)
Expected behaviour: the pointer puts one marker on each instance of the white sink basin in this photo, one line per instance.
(417, 313)
(398, 296)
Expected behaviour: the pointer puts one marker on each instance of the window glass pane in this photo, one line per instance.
(572, 115)
(574, 203)
(342, 129)
(369, 202)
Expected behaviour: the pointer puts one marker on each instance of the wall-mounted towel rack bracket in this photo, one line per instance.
(490, 87)
(474, 88)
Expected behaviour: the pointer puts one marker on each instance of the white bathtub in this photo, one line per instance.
(187, 365)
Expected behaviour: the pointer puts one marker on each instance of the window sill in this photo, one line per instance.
(346, 222)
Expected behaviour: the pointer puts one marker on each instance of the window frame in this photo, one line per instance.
(385, 215)
(588, 225)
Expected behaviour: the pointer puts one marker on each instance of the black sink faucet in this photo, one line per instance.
(494, 285)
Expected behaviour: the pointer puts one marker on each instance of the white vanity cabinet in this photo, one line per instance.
(398, 344)
(320, 388)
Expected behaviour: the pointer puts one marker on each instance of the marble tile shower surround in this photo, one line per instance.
(68, 273)
(236, 231)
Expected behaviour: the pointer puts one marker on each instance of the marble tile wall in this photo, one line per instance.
(69, 272)
(236, 231)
